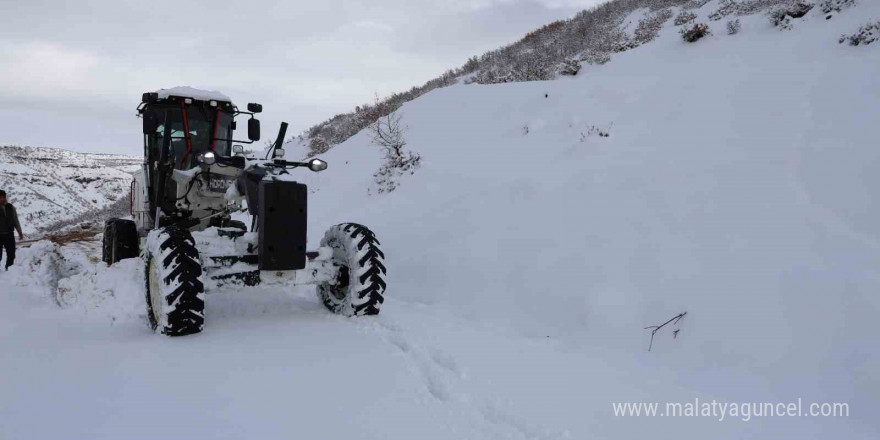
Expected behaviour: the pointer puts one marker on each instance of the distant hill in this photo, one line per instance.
(50, 185)
(563, 48)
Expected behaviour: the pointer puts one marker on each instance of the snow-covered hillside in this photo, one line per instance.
(48, 185)
(525, 259)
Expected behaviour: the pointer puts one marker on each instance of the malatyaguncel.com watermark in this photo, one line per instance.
(721, 410)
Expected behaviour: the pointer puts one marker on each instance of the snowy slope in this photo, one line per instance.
(48, 185)
(525, 258)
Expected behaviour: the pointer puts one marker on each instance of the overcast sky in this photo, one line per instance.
(72, 72)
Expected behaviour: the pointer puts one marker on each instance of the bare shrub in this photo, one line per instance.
(592, 130)
(866, 35)
(745, 7)
(695, 4)
(799, 9)
(781, 17)
(650, 26)
(388, 133)
(387, 179)
(829, 6)
(733, 27)
(749, 7)
(725, 8)
(570, 67)
(607, 37)
(318, 145)
(685, 17)
(695, 32)
(595, 57)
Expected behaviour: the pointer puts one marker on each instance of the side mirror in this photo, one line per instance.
(151, 124)
(253, 129)
(317, 165)
(279, 152)
(255, 108)
(237, 149)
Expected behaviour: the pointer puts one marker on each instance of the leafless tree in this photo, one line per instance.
(388, 134)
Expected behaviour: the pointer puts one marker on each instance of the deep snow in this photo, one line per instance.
(737, 185)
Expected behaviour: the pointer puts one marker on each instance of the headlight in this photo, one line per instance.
(208, 158)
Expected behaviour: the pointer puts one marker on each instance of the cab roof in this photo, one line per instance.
(194, 93)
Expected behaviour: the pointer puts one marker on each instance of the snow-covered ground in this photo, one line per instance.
(48, 185)
(525, 258)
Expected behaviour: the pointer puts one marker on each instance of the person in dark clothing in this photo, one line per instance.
(8, 222)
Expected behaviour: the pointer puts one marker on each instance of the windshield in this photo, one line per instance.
(200, 123)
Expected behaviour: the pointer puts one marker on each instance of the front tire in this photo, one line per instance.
(175, 293)
(360, 288)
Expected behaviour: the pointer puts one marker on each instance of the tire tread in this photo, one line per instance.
(183, 291)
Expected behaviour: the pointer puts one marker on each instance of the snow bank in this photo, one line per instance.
(736, 184)
(74, 278)
(112, 293)
(38, 267)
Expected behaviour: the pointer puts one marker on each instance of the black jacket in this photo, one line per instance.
(8, 219)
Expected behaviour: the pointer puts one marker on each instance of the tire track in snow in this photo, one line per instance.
(442, 375)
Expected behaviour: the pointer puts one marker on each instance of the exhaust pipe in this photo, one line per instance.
(281, 132)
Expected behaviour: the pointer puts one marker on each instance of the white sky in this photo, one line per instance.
(72, 72)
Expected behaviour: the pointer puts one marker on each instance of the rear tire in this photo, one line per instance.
(360, 287)
(120, 240)
(175, 293)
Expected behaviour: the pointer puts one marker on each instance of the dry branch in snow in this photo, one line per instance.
(655, 328)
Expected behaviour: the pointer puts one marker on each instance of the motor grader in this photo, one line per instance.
(194, 179)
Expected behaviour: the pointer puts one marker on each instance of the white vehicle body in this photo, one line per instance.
(200, 190)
